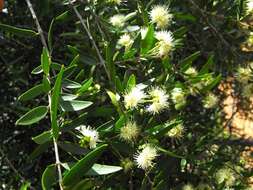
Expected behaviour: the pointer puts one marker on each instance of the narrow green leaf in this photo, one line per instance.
(32, 93)
(75, 60)
(85, 86)
(43, 137)
(85, 184)
(83, 166)
(18, 31)
(49, 177)
(70, 84)
(62, 16)
(55, 102)
(45, 61)
(74, 105)
(131, 82)
(207, 66)
(46, 84)
(50, 35)
(186, 63)
(72, 148)
(98, 169)
(37, 70)
(148, 40)
(25, 185)
(33, 116)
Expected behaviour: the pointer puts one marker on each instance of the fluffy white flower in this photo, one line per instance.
(188, 187)
(243, 75)
(225, 175)
(176, 132)
(250, 6)
(191, 71)
(160, 16)
(125, 40)
(134, 97)
(90, 135)
(210, 101)
(159, 100)
(177, 95)
(165, 42)
(129, 132)
(115, 1)
(144, 159)
(118, 20)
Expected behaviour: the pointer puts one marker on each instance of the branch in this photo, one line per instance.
(44, 43)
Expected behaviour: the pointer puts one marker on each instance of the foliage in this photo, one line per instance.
(127, 90)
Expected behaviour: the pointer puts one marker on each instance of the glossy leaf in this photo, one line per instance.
(18, 31)
(85, 86)
(98, 169)
(83, 166)
(45, 61)
(32, 93)
(55, 102)
(74, 105)
(33, 116)
(43, 137)
(49, 177)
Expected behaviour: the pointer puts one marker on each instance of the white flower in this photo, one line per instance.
(250, 6)
(129, 132)
(243, 74)
(89, 134)
(177, 95)
(176, 132)
(159, 100)
(203, 186)
(134, 97)
(115, 1)
(225, 175)
(165, 42)
(145, 158)
(188, 187)
(125, 40)
(118, 20)
(161, 16)
(191, 71)
(210, 101)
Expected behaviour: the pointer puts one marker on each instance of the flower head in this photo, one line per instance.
(129, 132)
(118, 20)
(210, 101)
(188, 187)
(160, 16)
(203, 186)
(134, 97)
(115, 1)
(191, 71)
(176, 132)
(165, 42)
(250, 6)
(144, 159)
(89, 136)
(243, 74)
(125, 40)
(226, 176)
(159, 100)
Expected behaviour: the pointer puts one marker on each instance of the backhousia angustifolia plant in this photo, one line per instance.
(141, 113)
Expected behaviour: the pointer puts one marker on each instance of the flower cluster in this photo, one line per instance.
(118, 20)
(144, 159)
(226, 176)
(176, 132)
(126, 41)
(165, 43)
(89, 136)
(134, 97)
(210, 101)
(129, 132)
(160, 16)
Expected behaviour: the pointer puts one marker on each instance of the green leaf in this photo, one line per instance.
(68, 97)
(40, 149)
(70, 84)
(43, 137)
(110, 66)
(55, 102)
(18, 31)
(85, 86)
(83, 166)
(25, 186)
(48, 177)
(72, 148)
(98, 169)
(37, 70)
(62, 17)
(186, 63)
(120, 123)
(50, 35)
(32, 93)
(212, 84)
(148, 41)
(85, 184)
(131, 82)
(33, 116)
(45, 61)
(207, 66)
(74, 105)
(114, 100)
(46, 84)
(75, 60)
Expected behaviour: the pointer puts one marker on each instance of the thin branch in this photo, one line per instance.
(102, 61)
(44, 43)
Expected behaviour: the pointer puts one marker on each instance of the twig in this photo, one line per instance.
(88, 33)
(44, 43)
